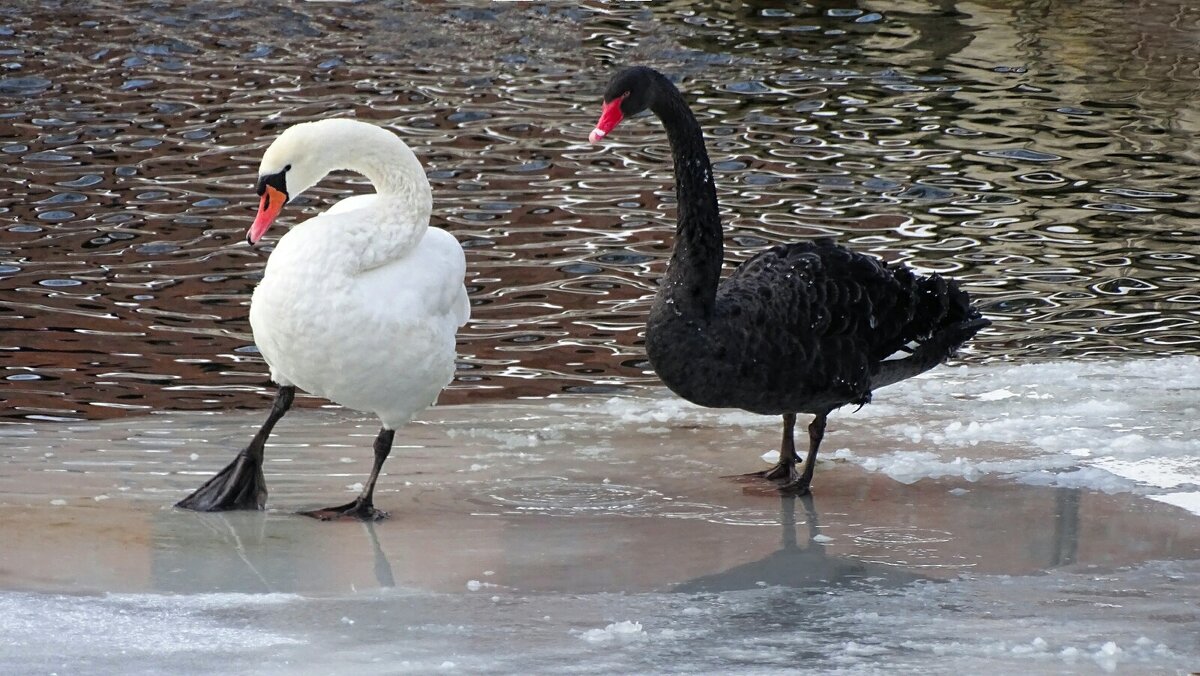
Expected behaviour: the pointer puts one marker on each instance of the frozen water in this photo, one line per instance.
(1139, 620)
(1038, 518)
(145, 624)
(617, 631)
(1109, 426)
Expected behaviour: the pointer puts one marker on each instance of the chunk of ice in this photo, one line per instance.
(617, 631)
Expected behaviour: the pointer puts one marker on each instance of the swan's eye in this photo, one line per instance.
(288, 168)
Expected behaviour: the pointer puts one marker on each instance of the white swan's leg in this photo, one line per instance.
(363, 507)
(241, 484)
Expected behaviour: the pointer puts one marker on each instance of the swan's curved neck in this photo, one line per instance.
(695, 267)
(387, 227)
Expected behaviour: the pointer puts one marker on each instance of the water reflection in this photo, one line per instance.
(540, 497)
(1039, 155)
(808, 566)
(255, 552)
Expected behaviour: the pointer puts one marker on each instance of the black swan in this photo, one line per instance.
(805, 327)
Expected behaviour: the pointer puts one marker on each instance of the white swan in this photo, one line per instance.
(358, 305)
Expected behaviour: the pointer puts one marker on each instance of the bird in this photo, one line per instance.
(359, 305)
(800, 328)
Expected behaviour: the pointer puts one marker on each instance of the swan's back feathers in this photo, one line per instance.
(379, 340)
(808, 326)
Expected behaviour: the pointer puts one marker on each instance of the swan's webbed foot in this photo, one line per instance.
(779, 480)
(363, 507)
(359, 510)
(239, 486)
(781, 471)
(801, 485)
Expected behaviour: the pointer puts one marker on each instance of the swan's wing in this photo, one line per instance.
(825, 315)
(817, 290)
(464, 307)
(443, 246)
(457, 264)
(428, 282)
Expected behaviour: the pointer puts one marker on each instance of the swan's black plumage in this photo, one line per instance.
(805, 327)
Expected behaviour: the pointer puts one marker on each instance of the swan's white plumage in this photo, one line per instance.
(360, 304)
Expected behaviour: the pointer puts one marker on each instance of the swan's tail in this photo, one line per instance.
(944, 320)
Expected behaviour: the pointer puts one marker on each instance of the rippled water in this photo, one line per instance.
(1044, 155)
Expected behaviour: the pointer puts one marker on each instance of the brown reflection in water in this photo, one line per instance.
(990, 141)
(868, 529)
(550, 496)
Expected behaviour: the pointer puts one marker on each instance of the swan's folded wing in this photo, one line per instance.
(828, 314)
(815, 290)
(464, 307)
(830, 304)
(426, 283)
(451, 252)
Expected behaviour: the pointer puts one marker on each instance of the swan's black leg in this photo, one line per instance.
(241, 485)
(800, 485)
(785, 469)
(362, 508)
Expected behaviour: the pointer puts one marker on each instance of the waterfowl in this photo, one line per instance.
(805, 327)
(359, 305)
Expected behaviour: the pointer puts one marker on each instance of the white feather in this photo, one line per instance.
(360, 304)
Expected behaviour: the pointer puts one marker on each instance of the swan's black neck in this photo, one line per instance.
(695, 267)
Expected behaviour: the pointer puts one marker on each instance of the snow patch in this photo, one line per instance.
(1107, 426)
(1189, 501)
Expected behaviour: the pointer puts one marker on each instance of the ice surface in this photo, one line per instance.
(1124, 426)
(999, 519)
(105, 634)
(617, 631)
(1189, 500)
(1108, 426)
(1139, 620)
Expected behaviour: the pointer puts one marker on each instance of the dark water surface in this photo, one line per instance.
(1043, 153)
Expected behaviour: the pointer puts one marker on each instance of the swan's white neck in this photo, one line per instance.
(376, 231)
(383, 158)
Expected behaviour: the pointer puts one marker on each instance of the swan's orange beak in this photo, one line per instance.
(272, 203)
(610, 116)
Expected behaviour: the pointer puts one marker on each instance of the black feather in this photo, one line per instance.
(800, 328)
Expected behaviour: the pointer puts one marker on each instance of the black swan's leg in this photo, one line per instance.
(362, 508)
(241, 485)
(800, 485)
(785, 469)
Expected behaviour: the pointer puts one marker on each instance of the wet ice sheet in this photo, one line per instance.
(596, 535)
(1133, 621)
(1111, 426)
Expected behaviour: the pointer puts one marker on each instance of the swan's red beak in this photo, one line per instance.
(272, 203)
(610, 116)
